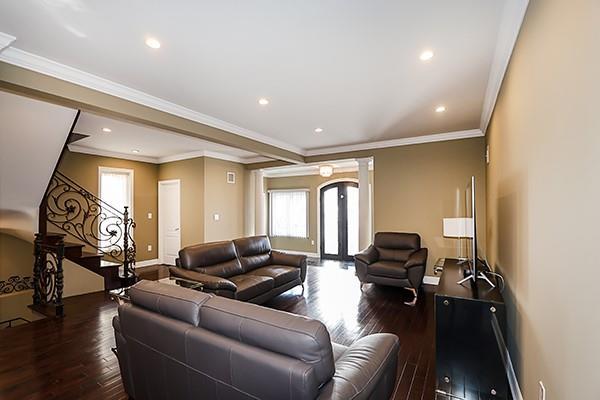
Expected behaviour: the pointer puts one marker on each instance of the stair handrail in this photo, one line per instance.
(81, 214)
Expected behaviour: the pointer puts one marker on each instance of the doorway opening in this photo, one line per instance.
(339, 221)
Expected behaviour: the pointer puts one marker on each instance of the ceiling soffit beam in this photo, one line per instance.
(25, 82)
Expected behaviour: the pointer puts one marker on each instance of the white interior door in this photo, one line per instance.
(169, 228)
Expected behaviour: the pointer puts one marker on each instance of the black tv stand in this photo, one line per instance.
(468, 360)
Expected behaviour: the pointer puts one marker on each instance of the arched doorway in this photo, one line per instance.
(339, 220)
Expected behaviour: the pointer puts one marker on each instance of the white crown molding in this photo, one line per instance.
(107, 153)
(48, 67)
(161, 160)
(510, 26)
(6, 40)
(339, 167)
(438, 137)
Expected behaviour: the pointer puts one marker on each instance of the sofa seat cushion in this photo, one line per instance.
(281, 274)
(389, 269)
(250, 286)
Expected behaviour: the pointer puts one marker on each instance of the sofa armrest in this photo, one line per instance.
(368, 256)
(366, 370)
(292, 260)
(418, 257)
(209, 282)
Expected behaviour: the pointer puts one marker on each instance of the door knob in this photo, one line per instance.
(176, 229)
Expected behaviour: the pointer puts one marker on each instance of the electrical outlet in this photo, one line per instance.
(542, 392)
(216, 217)
(149, 247)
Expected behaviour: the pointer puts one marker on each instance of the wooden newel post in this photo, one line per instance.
(126, 243)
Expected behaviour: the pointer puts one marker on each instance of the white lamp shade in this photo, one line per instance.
(458, 227)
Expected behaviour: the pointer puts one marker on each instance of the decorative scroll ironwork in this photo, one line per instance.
(16, 284)
(48, 272)
(90, 220)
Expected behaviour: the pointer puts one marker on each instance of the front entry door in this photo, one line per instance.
(169, 241)
(339, 221)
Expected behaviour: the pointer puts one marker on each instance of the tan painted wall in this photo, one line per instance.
(16, 258)
(311, 182)
(417, 186)
(83, 169)
(225, 199)
(191, 174)
(544, 198)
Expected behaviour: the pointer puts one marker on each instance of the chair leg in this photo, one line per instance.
(415, 294)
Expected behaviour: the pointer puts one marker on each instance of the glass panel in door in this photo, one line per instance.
(330, 221)
(352, 218)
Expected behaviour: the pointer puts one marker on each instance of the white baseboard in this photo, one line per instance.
(147, 263)
(303, 253)
(431, 280)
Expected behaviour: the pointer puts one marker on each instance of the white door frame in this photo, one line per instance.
(160, 236)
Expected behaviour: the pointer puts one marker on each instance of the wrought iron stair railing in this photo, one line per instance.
(79, 214)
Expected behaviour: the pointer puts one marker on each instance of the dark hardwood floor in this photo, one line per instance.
(72, 359)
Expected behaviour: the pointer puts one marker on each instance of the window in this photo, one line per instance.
(116, 190)
(289, 213)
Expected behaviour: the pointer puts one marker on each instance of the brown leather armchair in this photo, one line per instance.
(394, 259)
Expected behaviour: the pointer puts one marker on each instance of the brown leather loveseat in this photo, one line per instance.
(175, 343)
(244, 269)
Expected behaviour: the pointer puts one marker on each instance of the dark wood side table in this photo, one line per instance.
(468, 318)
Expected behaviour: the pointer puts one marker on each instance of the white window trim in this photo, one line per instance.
(128, 171)
(307, 211)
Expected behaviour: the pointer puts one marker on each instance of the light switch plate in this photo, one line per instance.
(149, 215)
(542, 392)
(149, 247)
(216, 217)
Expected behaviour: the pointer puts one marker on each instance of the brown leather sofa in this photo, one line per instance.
(394, 259)
(177, 343)
(244, 269)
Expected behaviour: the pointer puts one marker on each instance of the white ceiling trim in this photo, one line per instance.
(510, 25)
(161, 160)
(339, 166)
(48, 67)
(6, 40)
(438, 137)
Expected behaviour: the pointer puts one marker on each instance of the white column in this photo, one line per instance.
(249, 204)
(364, 204)
(260, 204)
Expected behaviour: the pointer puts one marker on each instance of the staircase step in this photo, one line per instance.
(109, 264)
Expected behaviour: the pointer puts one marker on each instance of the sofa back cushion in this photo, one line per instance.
(274, 331)
(396, 246)
(216, 258)
(168, 300)
(254, 252)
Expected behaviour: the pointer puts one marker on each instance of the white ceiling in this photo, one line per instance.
(350, 67)
(154, 145)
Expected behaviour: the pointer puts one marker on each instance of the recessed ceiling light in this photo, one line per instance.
(153, 43)
(318, 130)
(440, 109)
(263, 102)
(135, 151)
(106, 130)
(426, 55)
